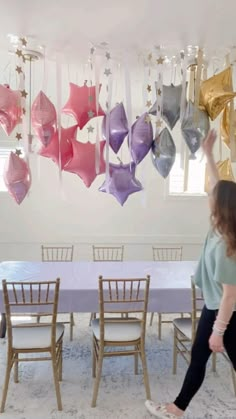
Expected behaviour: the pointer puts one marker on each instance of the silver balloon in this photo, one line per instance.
(194, 132)
(170, 104)
(163, 152)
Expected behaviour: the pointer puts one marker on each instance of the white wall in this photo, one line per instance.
(68, 212)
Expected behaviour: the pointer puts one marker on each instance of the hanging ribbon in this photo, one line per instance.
(59, 102)
(232, 139)
(128, 100)
(197, 86)
(159, 94)
(109, 75)
(183, 67)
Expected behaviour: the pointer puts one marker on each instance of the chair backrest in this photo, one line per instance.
(173, 253)
(23, 298)
(197, 305)
(57, 253)
(123, 296)
(108, 253)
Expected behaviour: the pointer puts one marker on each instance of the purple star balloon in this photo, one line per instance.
(141, 137)
(118, 127)
(122, 182)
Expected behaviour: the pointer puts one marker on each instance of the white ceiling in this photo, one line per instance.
(69, 25)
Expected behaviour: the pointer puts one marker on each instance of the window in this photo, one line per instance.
(187, 178)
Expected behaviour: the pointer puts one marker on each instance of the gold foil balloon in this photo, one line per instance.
(216, 92)
(225, 172)
(225, 125)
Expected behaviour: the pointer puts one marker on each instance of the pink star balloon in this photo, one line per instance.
(10, 110)
(17, 177)
(122, 182)
(82, 104)
(83, 161)
(66, 151)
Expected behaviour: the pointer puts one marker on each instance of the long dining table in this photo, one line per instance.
(170, 284)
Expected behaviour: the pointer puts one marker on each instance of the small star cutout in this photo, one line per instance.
(160, 60)
(19, 53)
(24, 93)
(147, 119)
(90, 128)
(92, 50)
(91, 114)
(91, 98)
(18, 152)
(159, 123)
(148, 104)
(23, 41)
(18, 69)
(150, 57)
(108, 55)
(149, 88)
(159, 92)
(107, 72)
(18, 136)
(182, 55)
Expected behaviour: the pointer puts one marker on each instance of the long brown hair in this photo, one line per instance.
(223, 215)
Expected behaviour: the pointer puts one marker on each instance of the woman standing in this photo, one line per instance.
(216, 276)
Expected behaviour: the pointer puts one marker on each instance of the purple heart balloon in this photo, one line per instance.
(141, 137)
(122, 181)
(118, 127)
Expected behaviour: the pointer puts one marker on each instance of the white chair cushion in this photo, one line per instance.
(34, 337)
(121, 331)
(184, 325)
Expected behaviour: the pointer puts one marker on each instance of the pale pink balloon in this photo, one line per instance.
(66, 153)
(10, 108)
(82, 104)
(45, 134)
(83, 161)
(43, 111)
(17, 177)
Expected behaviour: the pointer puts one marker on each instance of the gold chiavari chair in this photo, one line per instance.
(60, 254)
(116, 336)
(28, 338)
(107, 254)
(185, 331)
(165, 254)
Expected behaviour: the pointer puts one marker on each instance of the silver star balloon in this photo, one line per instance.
(170, 104)
(163, 152)
(194, 128)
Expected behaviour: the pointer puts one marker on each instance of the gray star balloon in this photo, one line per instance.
(194, 129)
(170, 104)
(163, 152)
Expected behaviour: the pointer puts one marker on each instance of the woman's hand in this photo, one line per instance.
(208, 142)
(216, 343)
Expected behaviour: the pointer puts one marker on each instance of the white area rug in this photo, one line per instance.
(121, 393)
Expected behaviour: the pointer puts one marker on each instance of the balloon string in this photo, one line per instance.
(128, 102)
(97, 146)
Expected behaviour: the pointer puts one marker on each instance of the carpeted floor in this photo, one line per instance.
(121, 393)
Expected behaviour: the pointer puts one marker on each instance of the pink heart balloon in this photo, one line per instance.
(45, 134)
(52, 150)
(43, 111)
(10, 110)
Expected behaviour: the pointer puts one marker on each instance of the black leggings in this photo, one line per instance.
(201, 353)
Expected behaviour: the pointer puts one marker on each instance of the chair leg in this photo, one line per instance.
(136, 362)
(159, 325)
(72, 322)
(60, 362)
(145, 372)
(94, 360)
(6, 383)
(151, 319)
(16, 364)
(213, 361)
(56, 380)
(175, 353)
(92, 317)
(97, 379)
(233, 379)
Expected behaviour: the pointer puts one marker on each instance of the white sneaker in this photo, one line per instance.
(159, 410)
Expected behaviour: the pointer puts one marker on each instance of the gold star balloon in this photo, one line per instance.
(225, 173)
(225, 125)
(216, 92)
